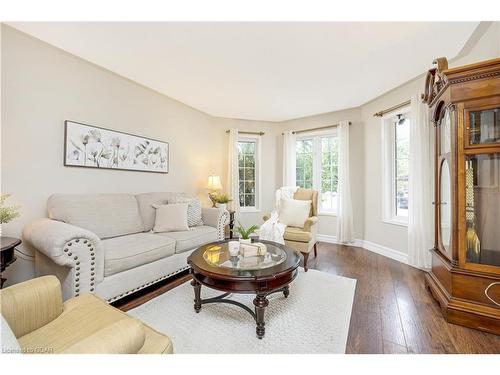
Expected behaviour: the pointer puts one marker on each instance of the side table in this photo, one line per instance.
(7, 254)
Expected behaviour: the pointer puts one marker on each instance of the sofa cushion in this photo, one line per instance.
(194, 209)
(147, 211)
(297, 235)
(126, 252)
(194, 237)
(106, 215)
(171, 217)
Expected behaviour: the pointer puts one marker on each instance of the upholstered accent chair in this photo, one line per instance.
(303, 239)
(41, 323)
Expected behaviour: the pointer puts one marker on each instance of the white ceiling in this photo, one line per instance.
(261, 71)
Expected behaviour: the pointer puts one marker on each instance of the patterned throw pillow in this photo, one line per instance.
(194, 209)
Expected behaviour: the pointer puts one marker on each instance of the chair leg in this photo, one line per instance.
(306, 256)
(315, 251)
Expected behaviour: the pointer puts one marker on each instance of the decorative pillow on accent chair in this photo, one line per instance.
(171, 217)
(294, 212)
(194, 209)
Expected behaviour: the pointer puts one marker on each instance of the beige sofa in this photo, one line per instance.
(103, 244)
(38, 322)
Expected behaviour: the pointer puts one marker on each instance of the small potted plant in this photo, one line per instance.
(245, 233)
(221, 200)
(7, 213)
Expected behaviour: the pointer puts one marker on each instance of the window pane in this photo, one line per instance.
(249, 187)
(401, 151)
(249, 147)
(249, 200)
(247, 173)
(249, 161)
(304, 163)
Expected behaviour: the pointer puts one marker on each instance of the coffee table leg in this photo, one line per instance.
(197, 292)
(260, 302)
(286, 291)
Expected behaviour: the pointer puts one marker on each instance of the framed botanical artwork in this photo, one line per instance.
(95, 147)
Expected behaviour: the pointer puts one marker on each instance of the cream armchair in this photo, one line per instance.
(303, 239)
(37, 321)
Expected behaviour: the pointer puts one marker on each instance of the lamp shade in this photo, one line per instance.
(214, 183)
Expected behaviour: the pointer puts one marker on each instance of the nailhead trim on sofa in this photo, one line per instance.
(76, 281)
(112, 299)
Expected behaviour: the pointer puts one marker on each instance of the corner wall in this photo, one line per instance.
(327, 225)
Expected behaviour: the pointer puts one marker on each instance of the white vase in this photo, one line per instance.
(221, 206)
(243, 240)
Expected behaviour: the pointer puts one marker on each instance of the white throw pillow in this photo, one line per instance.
(171, 217)
(194, 209)
(294, 212)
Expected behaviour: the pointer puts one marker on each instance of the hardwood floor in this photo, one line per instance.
(392, 312)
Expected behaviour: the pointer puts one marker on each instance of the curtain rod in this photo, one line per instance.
(313, 129)
(253, 133)
(384, 111)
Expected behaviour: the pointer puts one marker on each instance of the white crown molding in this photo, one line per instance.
(370, 246)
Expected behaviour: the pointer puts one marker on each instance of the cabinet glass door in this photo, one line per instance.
(482, 209)
(484, 127)
(445, 205)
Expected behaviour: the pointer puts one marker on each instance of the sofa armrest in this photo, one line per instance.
(310, 224)
(217, 218)
(31, 304)
(124, 336)
(69, 246)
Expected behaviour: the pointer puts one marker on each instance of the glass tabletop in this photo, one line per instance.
(247, 257)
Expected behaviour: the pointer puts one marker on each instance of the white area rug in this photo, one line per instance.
(313, 319)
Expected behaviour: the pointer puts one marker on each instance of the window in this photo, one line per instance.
(317, 168)
(396, 137)
(248, 168)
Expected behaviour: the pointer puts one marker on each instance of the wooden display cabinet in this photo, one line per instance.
(464, 105)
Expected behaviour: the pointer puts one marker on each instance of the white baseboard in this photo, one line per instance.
(370, 246)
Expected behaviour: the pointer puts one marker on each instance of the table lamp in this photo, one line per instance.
(214, 186)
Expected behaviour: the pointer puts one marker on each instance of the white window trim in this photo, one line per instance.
(388, 169)
(257, 139)
(316, 183)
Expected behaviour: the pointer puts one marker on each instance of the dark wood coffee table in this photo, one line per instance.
(212, 266)
(8, 256)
